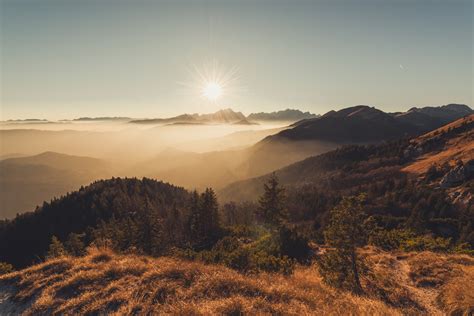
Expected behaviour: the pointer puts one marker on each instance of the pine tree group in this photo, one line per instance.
(203, 223)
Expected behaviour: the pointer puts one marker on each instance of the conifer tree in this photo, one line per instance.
(74, 245)
(150, 234)
(203, 221)
(345, 232)
(56, 249)
(210, 213)
(272, 203)
(194, 222)
(174, 226)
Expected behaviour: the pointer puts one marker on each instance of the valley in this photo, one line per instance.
(191, 156)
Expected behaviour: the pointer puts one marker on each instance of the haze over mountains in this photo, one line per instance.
(27, 181)
(359, 165)
(229, 116)
(224, 116)
(194, 156)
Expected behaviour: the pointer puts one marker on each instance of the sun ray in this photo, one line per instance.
(212, 81)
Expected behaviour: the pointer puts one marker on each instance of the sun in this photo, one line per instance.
(212, 90)
(212, 82)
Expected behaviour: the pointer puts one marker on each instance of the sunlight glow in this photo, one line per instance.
(212, 91)
(212, 82)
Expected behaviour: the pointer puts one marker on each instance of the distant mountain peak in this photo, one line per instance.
(360, 111)
(226, 115)
(289, 115)
(363, 123)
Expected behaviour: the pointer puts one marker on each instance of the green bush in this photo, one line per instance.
(389, 239)
(261, 255)
(407, 240)
(464, 248)
(242, 231)
(270, 263)
(421, 243)
(293, 245)
(240, 259)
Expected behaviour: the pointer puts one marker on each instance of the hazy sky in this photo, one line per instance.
(64, 59)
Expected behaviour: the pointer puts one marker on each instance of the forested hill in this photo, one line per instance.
(26, 238)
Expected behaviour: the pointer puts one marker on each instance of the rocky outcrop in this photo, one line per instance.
(462, 197)
(412, 151)
(458, 175)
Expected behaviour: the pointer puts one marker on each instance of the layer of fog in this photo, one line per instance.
(124, 141)
(58, 160)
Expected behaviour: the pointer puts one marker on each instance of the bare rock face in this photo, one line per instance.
(412, 151)
(458, 175)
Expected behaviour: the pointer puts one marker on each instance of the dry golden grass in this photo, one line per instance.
(455, 124)
(451, 275)
(457, 295)
(103, 282)
(106, 283)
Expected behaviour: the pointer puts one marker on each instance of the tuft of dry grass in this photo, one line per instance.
(428, 269)
(385, 280)
(451, 275)
(106, 283)
(457, 295)
(420, 283)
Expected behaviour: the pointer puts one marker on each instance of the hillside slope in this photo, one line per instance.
(104, 283)
(357, 165)
(27, 181)
(451, 147)
(25, 239)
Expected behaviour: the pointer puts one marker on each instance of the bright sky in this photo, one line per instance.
(65, 59)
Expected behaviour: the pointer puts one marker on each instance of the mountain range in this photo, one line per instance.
(229, 116)
(359, 124)
(284, 116)
(363, 123)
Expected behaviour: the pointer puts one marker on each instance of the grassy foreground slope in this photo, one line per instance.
(103, 282)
